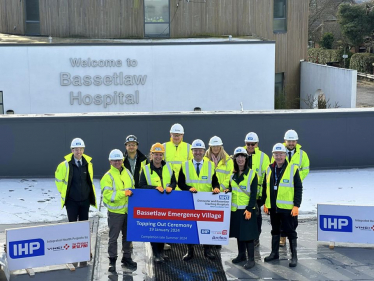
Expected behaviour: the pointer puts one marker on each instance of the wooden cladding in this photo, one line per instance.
(12, 17)
(92, 18)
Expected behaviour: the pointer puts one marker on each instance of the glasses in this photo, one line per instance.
(176, 135)
(131, 144)
(116, 160)
(250, 143)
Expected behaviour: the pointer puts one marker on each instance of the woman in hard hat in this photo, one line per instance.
(158, 175)
(223, 163)
(243, 224)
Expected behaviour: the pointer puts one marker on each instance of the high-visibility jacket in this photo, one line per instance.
(62, 177)
(224, 171)
(260, 162)
(203, 182)
(113, 186)
(300, 159)
(176, 156)
(241, 193)
(154, 179)
(285, 195)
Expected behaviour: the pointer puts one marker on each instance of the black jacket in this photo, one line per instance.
(83, 190)
(140, 158)
(297, 183)
(143, 181)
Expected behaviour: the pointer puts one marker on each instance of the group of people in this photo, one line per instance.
(248, 174)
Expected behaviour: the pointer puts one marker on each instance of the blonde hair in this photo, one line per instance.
(222, 155)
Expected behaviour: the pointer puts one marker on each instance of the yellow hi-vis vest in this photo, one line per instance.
(224, 171)
(176, 156)
(113, 185)
(260, 162)
(203, 182)
(300, 159)
(286, 189)
(241, 194)
(62, 177)
(154, 179)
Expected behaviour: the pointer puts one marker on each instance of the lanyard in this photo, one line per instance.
(275, 174)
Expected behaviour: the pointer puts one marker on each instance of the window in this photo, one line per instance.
(32, 17)
(280, 16)
(1, 103)
(156, 18)
(279, 83)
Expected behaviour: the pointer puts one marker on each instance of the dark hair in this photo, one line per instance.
(236, 166)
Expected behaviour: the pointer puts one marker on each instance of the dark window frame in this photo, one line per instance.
(32, 22)
(280, 18)
(156, 23)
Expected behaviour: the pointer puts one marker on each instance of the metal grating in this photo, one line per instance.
(197, 269)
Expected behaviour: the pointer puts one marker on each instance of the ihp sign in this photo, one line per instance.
(345, 223)
(31, 247)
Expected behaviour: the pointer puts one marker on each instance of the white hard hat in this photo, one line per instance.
(198, 144)
(251, 137)
(177, 129)
(240, 150)
(215, 141)
(279, 147)
(77, 142)
(116, 154)
(291, 135)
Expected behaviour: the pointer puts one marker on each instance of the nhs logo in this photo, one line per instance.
(336, 223)
(205, 231)
(26, 248)
(224, 197)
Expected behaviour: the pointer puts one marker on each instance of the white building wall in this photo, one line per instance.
(339, 85)
(179, 77)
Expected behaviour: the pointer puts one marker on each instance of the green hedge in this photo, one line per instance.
(323, 56)
(362, 62)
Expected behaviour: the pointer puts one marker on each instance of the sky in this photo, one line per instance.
(37, 200)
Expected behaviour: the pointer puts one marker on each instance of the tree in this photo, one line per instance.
(327, 40)
(356, 22)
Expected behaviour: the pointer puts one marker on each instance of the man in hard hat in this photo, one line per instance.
(74, 181)
(158, 175)
(134, 160)
(258, 161)
(116, 187)
(176, 150)
(282, 193)
(297, 156)
(198, 175)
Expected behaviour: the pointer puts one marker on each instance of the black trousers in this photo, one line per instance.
(285, 223)
(77, 210)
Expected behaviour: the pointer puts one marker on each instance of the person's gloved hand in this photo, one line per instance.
(193, 190)
(295, 211)
(128, 192)
(168, 189)
(227, 191)
(216, 190)
(247, 215)
(266, 210)
(160, 189)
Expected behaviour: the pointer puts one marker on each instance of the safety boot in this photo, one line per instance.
(112, 264)
(241, 252)
(129, 263)
(293, 246)
(274, 255)
(251, 255)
